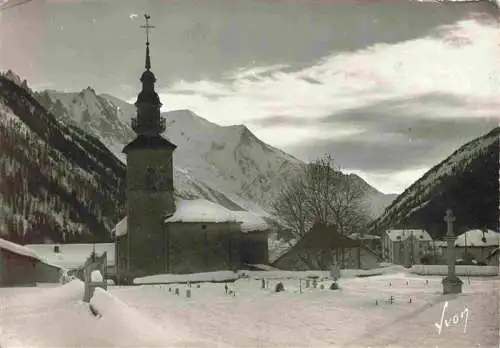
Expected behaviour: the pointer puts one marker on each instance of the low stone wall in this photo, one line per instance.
(442, 270)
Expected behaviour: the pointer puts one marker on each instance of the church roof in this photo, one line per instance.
(250, 222)
(202, 210)
(144, 142)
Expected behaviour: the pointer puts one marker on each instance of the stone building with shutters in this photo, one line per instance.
(160, 235)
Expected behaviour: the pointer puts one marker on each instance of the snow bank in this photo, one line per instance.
(130, 327)
(459, 270)
(219, 276)
(344, 273)
(474, 238)
(57, 317)
(126, 319)
(264, 267)
(18, 249)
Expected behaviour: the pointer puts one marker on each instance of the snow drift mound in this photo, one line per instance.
(129, 327)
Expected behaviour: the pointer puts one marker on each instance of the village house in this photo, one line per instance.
(21, 266)
(477, 245)
(323, 246)
(406, 246)
(369, 240)
(72, 257)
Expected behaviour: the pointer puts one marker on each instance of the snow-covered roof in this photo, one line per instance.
(18, 249)
(364, 236)
(120, 228)
(250, 222)
(475, 238)
(400, 235)
(73, 256)
(200, 210)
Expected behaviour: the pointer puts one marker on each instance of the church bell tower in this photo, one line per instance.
(150, 189)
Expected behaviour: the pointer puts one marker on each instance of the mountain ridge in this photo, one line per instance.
(210, 158)
(57, 181)
(466, 181)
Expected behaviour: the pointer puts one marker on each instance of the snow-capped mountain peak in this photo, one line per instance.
(225, 164)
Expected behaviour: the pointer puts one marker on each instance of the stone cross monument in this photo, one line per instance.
(451, 283)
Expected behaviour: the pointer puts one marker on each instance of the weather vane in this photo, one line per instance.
(147, 27)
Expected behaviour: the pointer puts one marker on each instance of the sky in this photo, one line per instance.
(389, 88)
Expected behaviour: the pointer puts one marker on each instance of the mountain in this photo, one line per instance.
(56, 181)
(228, 165)
(466, 182)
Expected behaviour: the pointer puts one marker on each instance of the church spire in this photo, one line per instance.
(148, 121)
(147, 27)
(148, 59)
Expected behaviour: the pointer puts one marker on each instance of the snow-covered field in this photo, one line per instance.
(357, 315)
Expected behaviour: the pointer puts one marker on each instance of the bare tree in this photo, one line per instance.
(320, 193)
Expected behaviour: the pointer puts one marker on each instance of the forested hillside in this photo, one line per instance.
(56, 182)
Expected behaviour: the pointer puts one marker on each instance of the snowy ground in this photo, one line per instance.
(357, 315)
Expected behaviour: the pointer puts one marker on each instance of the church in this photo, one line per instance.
(161, 234)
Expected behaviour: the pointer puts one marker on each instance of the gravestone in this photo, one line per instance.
(279, 287)
(451, 283)
(334, 286)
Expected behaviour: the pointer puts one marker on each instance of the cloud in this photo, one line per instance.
(389, 107)
(427, 65)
